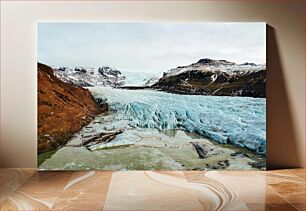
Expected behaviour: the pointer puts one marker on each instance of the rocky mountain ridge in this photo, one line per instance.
(63, 109)
(88, 77)
(215, 77)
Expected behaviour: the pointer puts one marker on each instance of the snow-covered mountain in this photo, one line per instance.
(152, 81)
(217, 66)
(86, 76)
(215, 77)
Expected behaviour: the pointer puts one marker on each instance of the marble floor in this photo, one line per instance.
(28, 189)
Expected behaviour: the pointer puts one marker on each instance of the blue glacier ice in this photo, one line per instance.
(236, 120)
(138, 78)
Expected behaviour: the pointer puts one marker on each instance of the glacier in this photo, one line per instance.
(240, 121)
(139, 78)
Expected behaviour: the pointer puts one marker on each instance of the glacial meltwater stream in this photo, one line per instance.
(159, 129)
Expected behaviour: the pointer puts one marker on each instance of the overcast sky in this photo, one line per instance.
(149, 46)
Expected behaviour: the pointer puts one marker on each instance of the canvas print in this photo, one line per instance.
(151, 96)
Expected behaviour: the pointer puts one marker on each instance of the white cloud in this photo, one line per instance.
(149, 46)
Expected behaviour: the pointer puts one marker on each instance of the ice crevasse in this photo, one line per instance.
(236, 120)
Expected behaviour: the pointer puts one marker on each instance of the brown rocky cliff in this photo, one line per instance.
(63, 109)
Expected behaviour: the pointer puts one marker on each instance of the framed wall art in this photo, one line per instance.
(151, 96)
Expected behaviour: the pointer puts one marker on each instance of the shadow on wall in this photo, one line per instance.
(281, 140)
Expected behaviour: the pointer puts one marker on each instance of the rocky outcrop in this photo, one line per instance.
(151, 81)
(63, 109)
(215, 77)
(200, 149)
(87, 77)
(104, 137)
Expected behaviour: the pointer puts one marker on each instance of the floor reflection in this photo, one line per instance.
(27, 189)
